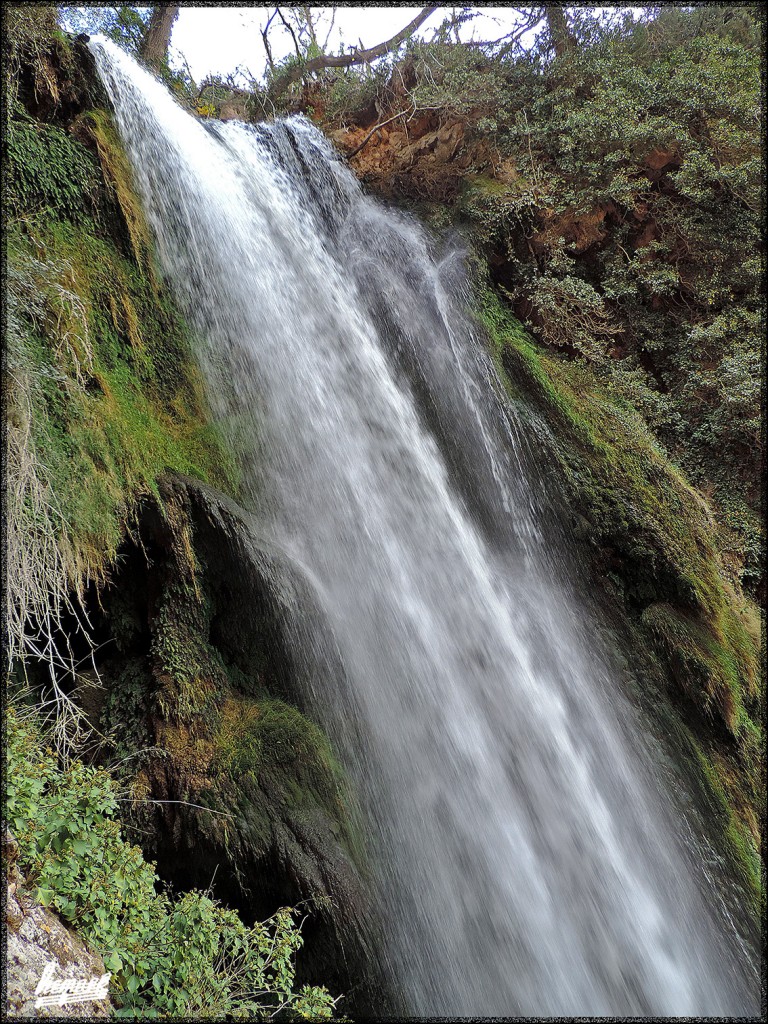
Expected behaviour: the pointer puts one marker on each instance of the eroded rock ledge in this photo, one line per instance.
(234, 787)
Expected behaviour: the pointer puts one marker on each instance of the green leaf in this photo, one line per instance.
(113, 963)
(45, 896)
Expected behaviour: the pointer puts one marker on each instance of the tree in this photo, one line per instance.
(143, 31)
(157, 38)
(357, 56)
(125, 25)
(562, 38)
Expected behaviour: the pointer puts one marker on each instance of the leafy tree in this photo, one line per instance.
(127, 26)
(143, 31)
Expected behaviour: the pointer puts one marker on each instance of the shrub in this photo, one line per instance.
(169, 957)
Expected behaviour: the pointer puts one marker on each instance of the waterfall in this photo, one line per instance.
(528, 860)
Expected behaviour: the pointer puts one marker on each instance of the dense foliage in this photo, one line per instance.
(124, 24)
(168, 956)
(127, 26)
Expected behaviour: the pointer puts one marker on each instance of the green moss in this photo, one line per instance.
(117, 397)
(49, 172)
(190, 670)
(276, 759)
(509, 338)
(739, 841)
(654, 531)
(99, 126)
(192, 673)
(727, 793)
(713, 669)
(276, 767)
(492, 206)
(103, 356)
(274, 742)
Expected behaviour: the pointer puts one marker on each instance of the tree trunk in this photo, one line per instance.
(562, 38)
(154, 46)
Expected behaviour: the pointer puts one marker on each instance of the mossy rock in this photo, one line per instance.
(244, 779)
(99, 353)
(710, 669)
(51, 75)
(237, 782)
(116, 396)
(651, 541)
(653, 531)
(740, 830)
(271, 745)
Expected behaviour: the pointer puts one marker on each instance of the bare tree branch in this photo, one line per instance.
(265, 37)
(533, 18)
(330, 27)
(307, 12)
(358, 56)
(290, 29)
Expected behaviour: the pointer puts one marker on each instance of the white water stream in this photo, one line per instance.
(529, 862)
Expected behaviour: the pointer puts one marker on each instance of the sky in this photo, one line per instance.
(218, 40)
(221, 40)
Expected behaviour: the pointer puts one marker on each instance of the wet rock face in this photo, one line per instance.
(237, 788)
(36, 940)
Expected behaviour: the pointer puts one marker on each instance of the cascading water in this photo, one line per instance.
(526, 858)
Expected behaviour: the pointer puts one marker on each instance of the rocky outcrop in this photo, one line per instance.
(421, 159)
(234, 786)
(37, 939)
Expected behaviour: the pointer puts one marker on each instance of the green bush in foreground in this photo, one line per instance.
(185, 957)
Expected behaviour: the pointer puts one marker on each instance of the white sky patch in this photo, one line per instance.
(218, 40)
